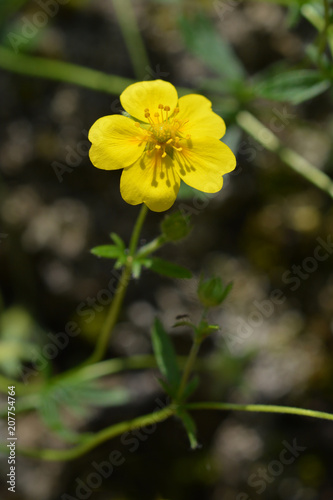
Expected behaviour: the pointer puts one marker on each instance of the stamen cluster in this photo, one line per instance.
(164, 133)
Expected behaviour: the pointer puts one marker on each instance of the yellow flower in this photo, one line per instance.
(163, 140)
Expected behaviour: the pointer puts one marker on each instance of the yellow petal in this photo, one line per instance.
(202, 163)
(202, 121)
(116, 142)
(151, 180)
(148, 95)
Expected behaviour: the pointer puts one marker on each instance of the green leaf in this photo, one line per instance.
(76, 397)
(50, 414)
(118, 241)
(94, 396)
(314, 13)
(165, 355)
(136, 269)
(166, 268)
(190, 427)
(167, 389)
(292, 86)
(204, 41)
(107, 251)
(190, 388)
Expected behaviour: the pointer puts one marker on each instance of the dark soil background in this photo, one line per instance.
(266, 220)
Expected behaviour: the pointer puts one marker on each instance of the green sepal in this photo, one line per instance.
(165, 356)
(212, 292)
(204, 330)
(176, 226)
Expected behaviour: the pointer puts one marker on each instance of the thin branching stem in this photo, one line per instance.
(114, 310)
(264, 136)
(159, 416)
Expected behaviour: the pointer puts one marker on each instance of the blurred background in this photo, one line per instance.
(269, 231)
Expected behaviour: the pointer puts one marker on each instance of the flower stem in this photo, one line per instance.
(62, 71)
(152, 246)
(137, 230)
(188, 367)
(99, 437)
(271, 142)
(112, 316)
(159, 416)
(259, 408)
(42, 67)
(323, 37)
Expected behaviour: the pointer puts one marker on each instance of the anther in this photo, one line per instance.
(160, 106)
(147, 110)
(166, 108)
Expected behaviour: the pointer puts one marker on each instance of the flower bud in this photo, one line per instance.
(176, 226)
(212, 292)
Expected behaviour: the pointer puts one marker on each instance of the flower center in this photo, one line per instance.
(164, 132)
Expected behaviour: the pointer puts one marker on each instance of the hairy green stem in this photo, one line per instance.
(159, 416)
(137, 230)
(42, 67)
(152, 246)
(114, 310)
(251, 125)
(259, 408)
(323, 36)
(62, 71)
(129, 27)
(99, 437)
(188, 368)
